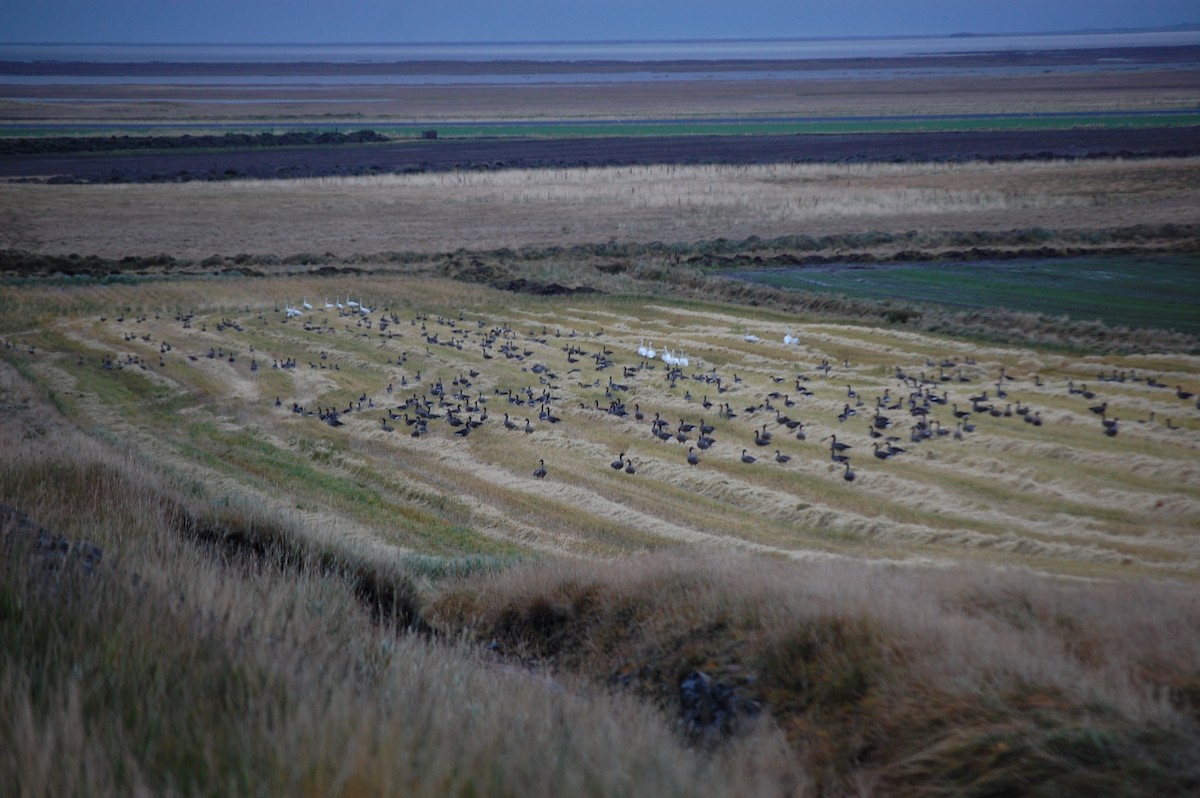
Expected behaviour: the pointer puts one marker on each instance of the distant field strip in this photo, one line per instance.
(1062, 496)
(446, 211)
(633, 128)
(749, 127)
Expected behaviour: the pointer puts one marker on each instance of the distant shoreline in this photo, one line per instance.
(1126, 56)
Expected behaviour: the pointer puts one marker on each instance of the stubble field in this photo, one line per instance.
(1062, 497)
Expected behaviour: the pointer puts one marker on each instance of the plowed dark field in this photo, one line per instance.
(499, 153)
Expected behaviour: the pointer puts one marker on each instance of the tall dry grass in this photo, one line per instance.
(208, 666)
(885, 681)
(516, 208)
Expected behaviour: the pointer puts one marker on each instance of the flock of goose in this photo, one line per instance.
(914, 406)
(906, 413)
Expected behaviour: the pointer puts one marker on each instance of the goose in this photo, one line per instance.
(540, 471)
(884, 454)
(509, 423)
(619, 463)
(781, 458)
(528, 427)
(837, 445)
(848, 474)
(692, 457)
(629, 469)
(748, 458)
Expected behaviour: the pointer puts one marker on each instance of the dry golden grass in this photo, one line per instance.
(445, 212)
(169, 670)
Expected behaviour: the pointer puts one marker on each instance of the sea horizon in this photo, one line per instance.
(776, 48)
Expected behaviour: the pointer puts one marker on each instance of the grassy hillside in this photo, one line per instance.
(287, 606)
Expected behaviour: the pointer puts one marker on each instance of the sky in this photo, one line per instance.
(318, 21)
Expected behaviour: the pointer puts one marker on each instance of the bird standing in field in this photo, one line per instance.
(540, 471)
(692, 457)
(619, 463)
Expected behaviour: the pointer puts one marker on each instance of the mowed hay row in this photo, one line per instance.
(190, 372)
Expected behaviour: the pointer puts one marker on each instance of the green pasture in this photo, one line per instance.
(675, 127)
(684, 127)
(1157, 292)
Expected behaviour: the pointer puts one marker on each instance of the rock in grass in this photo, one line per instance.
(48, 552)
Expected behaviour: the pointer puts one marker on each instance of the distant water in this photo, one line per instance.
(702, 50)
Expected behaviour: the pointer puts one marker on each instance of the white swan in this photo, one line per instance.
(751, 338)
(790, 339)
(642, 347)
(650, 353)
(305, 303)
